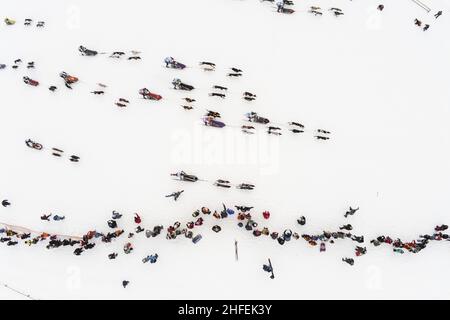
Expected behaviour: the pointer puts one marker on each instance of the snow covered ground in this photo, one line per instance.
(374, 79)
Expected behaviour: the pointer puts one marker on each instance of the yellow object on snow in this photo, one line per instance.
(10, 22)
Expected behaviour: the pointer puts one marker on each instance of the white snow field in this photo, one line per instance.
(379, 83)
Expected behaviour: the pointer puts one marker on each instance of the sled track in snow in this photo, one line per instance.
(28, 296)
(422, 5)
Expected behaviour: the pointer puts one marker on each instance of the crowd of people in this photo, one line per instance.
(192, 230)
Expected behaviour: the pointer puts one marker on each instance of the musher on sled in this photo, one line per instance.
(33, 145)
(30, 81)
(86, 52)
(210, 121)
(172, 63)
(146, 94)
(68, 79)
(282, 9)
(183, 176)
(10, 22)
(253, 117)
(178, 85)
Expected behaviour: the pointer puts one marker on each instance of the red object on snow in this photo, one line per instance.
(154, 96)
(266, 215)
(31, 82)
(146, 94)
(137, 219)
(199, 222)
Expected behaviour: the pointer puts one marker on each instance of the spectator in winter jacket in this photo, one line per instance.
(301, 221)
(150, 258)
(5, 203)
(128, 248)
(116, 215)
(46, 217)
(350, 212)
(137, 218)
(350, 261)
(359, 251)
(112, 224)
(438, 14)
(441, 227)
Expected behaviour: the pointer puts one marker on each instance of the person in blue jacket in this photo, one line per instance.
(151, 258)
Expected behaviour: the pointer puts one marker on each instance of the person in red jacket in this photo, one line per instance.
(266, 215)
(137, 219)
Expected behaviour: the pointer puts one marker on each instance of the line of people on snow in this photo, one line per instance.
(245, 220)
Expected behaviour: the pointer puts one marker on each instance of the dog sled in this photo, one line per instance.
(172, 63)
(10, 22)
(212, 122)
(253, 117)
(30, 81)
(68, 78)
(287, 11)
(183, 176)
(86, 52)
(178, 65)
(33, 145)
(185, 87)
(146, 94)
(178, 85)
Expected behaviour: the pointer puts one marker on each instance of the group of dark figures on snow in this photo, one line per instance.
(210, 119)
(284, 6)
(245, 220)
(426, 26)
(183, 176)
